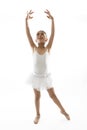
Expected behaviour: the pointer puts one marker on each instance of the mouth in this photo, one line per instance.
(41, 38)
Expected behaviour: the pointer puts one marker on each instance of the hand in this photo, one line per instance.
(48, 14)
(29, 15)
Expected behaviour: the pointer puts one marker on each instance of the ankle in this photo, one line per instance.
(63, 111)
(66, 115)
(38, 115)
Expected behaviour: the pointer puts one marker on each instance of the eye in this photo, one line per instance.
(42, 34)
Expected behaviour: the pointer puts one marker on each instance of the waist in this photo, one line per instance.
(41, 74)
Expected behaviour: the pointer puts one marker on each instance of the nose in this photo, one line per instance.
(39, 35)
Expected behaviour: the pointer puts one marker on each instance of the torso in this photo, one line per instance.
(40, 61)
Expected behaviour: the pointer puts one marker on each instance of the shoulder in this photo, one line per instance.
(48, 48)
(34, 48)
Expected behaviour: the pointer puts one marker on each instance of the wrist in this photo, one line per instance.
(52, 18)
(26, 19)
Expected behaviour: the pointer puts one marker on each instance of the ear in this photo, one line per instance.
(46, 39)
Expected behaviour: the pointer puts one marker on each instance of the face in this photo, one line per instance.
(41, 37)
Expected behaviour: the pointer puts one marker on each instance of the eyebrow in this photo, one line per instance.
(40, 33)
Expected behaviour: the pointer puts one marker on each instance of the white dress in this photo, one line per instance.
(41, 78)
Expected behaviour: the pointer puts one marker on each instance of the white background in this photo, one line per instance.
(68, 64)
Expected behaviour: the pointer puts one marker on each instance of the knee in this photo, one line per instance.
(37, 94)
(51, 93)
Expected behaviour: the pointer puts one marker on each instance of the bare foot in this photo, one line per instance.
(36, 120)
(66, 115)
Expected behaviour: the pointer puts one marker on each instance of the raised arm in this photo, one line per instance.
(52, 29)
(28, 17)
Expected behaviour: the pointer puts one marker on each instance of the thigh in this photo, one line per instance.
(51, 91)
(36, 92)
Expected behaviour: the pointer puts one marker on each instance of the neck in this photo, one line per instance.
(41, 45)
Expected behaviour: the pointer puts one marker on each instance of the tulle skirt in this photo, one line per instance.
(40, 81)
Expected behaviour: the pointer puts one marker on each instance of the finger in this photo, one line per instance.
(47, 13)
(27, 12)
(47, 10)
(31, 12)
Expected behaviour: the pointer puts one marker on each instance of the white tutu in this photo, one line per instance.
(39, 82)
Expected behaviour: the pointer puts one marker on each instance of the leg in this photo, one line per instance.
(37, 105)
(57, 102)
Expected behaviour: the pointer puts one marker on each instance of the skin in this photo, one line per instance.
(41, 49)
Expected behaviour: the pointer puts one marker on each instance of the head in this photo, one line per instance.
(41, 37)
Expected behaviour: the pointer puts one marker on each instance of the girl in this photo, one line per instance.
(41, 77)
